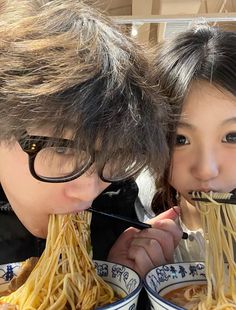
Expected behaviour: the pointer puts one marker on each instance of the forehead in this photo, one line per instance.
(204, 96)
(48, 131)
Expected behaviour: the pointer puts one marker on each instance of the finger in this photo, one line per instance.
(162, 242)
(143, 263)
(168, 226)
(123, 243)
(157, 253)
(171, 214)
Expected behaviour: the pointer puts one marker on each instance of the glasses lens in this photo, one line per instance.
(59, 162)
(115, 171)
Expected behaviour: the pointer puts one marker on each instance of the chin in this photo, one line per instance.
(39, 233)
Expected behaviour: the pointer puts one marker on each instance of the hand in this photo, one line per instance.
(145, 249)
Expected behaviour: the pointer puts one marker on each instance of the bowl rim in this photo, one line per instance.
(127, 298)
(154, 295)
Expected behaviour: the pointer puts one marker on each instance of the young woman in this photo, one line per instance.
(197, 72)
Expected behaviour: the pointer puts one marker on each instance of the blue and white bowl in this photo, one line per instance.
(163, 279)
(125, 282)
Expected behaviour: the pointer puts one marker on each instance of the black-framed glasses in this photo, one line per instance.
(57, 160)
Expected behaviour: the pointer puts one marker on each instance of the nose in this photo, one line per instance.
(205, 166)
(85, 188)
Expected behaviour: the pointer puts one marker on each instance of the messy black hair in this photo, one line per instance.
(65, 65)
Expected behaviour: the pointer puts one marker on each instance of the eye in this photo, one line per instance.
(64, 151)
(230, 138)
(181, 140)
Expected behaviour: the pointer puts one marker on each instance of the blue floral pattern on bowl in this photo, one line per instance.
(163, 279)
(7, 272)
(125, 281)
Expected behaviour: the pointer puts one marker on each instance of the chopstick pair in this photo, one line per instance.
(131, 222)
(228, 198)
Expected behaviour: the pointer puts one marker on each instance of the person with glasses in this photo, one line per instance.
(79, 119)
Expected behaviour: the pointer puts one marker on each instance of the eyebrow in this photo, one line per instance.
(184, 124)
(229, 120)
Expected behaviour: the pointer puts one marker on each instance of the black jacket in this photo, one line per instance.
(18, 244)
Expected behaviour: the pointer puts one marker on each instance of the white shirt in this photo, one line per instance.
(191, 249)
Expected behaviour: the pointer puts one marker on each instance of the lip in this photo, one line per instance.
(73, 210)
(205, 190)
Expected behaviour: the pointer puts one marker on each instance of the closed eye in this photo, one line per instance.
(64, 151)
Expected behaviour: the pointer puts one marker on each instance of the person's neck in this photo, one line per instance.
(190, 215)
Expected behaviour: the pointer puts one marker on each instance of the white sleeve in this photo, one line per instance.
(146, 186)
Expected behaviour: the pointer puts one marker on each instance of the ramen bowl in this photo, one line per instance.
(164, 279)
(124, 281)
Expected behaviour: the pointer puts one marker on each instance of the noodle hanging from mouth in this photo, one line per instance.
(65, 276)
(219, 227)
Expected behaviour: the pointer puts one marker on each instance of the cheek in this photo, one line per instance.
(13, 166)
(177, 172)
(227, 167)
(173, 179)
(16, 180)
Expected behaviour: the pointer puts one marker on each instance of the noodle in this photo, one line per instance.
(65, 276)
(219, 227)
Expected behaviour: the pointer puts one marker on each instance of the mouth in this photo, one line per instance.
(205, 190)
(73, 210)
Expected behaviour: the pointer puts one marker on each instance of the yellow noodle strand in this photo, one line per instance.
(219, 225)
(65, 276)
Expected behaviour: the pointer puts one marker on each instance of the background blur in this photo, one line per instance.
(151, 21)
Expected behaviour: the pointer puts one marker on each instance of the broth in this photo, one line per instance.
(187, 296)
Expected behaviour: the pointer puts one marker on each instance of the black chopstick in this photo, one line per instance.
(200, 196)
(131, 222)
(227, 201)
